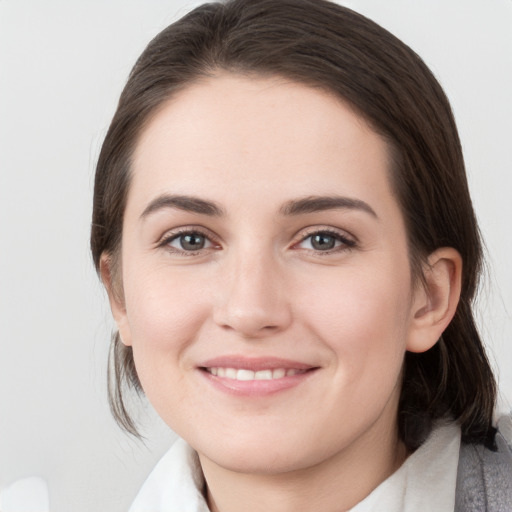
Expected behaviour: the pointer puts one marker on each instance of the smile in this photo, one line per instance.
(255, 377)
(247, 375)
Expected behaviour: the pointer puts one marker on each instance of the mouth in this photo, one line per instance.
(255, 377)
(244, 374)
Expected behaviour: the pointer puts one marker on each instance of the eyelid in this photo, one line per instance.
(174, 233)
(348, 241)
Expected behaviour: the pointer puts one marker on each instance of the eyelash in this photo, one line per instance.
(345, 243)
(166, 241)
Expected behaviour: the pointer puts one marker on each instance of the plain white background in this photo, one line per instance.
(62, 66)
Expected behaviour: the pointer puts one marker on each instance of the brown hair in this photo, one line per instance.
(324, 45)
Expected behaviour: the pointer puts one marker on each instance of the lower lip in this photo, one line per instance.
(256, 388)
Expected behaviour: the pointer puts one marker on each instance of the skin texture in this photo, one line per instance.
(260, 288)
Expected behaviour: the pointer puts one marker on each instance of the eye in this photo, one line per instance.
(188, 241)
(325, 241)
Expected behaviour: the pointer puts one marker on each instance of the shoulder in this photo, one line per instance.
(484, 478)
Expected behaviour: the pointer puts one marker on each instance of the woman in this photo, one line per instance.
(283, 225)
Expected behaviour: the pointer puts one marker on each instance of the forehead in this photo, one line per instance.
(237, 136)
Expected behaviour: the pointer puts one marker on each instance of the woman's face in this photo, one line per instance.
(267, 291)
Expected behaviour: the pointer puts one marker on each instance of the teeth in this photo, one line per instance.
(243, 374)
(263, 375)
(231, 373)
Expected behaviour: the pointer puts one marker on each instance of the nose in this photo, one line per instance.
(253, 300)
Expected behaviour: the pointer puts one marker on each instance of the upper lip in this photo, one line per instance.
(254, 363)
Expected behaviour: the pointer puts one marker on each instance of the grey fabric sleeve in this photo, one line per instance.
(484, 478)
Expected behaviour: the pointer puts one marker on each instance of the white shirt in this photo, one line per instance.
(424, 482)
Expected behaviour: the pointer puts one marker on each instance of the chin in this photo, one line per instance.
(258, 461)
(265, 456)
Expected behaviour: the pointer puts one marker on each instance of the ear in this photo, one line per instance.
(110, 276)
(435, 302)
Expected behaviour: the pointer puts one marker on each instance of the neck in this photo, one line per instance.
(334, 485)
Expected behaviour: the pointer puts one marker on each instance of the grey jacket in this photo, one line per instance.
(484, 478)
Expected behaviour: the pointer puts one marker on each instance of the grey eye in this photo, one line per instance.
(323, 241)
(190, 242)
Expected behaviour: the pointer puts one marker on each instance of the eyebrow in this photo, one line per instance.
(185, 203)
(294, 207)
(314, 204)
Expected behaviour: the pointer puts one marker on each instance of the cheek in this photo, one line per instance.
(165, 311)
(363, 317)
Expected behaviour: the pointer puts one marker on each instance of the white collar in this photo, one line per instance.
(174, 485)
(425, 482)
